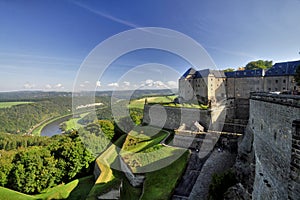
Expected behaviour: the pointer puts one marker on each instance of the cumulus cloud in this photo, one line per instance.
(172, 84)
(86, 82)
(149, 82)
(126, 83)
(98, 84)
(152, 83)
(158, 84)
(58, 86)
(28, 85)
(113, 85)
(48, 86)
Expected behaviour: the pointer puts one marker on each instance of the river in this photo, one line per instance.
(53, 128)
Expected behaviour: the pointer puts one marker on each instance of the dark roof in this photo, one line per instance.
(206, 72)
(190, 71)
(283, 69)
(203, 73)
(245, 73)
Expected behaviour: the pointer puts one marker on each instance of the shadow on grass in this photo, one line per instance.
(83, 188)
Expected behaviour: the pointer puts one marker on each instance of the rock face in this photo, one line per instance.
(245, 163)
(237, 192)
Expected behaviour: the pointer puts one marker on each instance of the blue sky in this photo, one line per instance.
(43, 43)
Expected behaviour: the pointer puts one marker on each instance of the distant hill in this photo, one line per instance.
(121, 94)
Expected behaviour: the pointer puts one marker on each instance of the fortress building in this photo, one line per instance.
(214, 85)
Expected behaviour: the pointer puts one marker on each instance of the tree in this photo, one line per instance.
(107, 128)
(229, 70)
(33, 171)
(71, 156)
(297, 75)
(259, 64)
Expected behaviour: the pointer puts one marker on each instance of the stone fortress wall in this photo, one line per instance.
(274, 122)
(172, 117)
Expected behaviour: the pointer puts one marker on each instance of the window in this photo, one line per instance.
(269, 89)
(283, 88)
(276, 81)
(283, 81)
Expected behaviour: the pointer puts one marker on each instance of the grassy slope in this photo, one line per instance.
(73, 122)
(160, 184)
(10, 104)
(8, 194)
(76, 189)
(107, 178)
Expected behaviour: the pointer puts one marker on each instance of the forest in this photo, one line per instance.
(45, 163)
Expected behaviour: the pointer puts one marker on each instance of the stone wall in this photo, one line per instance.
(136, 180)
(271, 121)
(172, 117)
(294, 183)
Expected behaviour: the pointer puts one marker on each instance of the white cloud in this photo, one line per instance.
(151, 83)
(98, 84)
(28, 85)
(82, 85)
(158, 84)
(172, 84)
(113, 85)
(48, 86)
(86, 82)
(126, 83)
(58, 86)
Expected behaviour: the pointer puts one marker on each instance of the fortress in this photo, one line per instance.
(213, 85)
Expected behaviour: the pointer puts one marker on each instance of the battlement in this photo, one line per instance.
(290, 100)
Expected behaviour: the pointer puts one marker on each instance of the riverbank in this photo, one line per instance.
(38, 129)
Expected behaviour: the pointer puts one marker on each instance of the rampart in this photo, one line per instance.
(274, 121)
(172, 117)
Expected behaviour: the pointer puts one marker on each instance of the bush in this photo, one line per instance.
(220, 183)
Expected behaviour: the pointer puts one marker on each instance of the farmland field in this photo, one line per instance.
(13, 103)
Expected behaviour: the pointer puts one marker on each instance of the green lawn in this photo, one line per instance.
(160, 184)
(143, 152)
(139, 103)
(137, 140)
(10, 104)
(128, 192)
(83, 188)
(8, 194)
(164, 101)
(77, 189)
